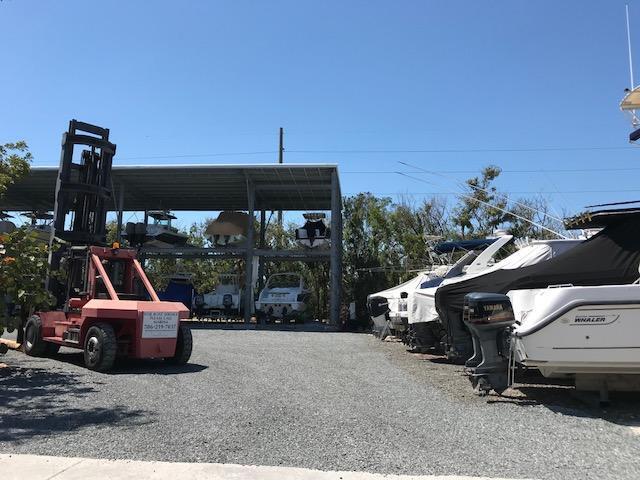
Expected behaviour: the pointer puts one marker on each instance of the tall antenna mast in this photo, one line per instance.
(629, 47)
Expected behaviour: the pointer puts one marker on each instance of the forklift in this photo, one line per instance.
(105, 304)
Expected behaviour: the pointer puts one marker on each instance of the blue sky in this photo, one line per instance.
(198, 78)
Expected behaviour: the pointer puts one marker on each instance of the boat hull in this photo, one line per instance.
(317, 243)
(581, 330)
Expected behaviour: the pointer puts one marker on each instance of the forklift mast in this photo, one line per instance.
(83, 192)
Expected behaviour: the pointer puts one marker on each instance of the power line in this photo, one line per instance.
(528, 220)
(198, 155)
(381, 151)
(386, 172)
(476, 188)
(470, 150)
(540, 171)
(506, 193)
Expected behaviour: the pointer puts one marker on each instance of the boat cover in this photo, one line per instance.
(178, 289)
(609, 257)
(408, 286)
(422, 305)
(313, 229)
(448, 247)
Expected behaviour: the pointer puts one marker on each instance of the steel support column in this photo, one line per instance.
(120, 208)
(263, 229)
(336, 251)
(248, 263)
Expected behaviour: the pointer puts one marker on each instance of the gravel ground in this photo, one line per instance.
(318, 400)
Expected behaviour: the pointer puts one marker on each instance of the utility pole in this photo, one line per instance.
(280, 160)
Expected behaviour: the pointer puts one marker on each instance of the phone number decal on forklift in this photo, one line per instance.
(159, 324)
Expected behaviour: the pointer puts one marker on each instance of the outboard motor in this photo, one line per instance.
(227, 302)
(379, 311)
(135, 233)
(489, 317)
(378, 306)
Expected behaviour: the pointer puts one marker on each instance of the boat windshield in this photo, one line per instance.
(431, 282)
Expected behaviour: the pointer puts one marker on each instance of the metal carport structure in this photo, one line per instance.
(252, 188)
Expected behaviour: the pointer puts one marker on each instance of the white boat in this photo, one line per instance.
(284, 297)
(160, 234)
(573, 326)
(314, 233)
(389, 309)
(426, 333)
(6, 226)
(449, 297)
(396, 310)
(40, 223)
(574, 330)
(229, 229)
(225, 299)
(630, 104)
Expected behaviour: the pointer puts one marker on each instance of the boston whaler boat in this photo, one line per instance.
(578, 314)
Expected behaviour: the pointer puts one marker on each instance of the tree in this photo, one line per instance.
(412, 229)
(536, 211)
(15, 160)
(23, 270)
(367, 249)
(481, 210)
(23, 265)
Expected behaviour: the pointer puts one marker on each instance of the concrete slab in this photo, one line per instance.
(36, 467)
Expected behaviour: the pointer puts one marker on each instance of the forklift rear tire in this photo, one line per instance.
(184, 345)
(100, 347)
(34, 346)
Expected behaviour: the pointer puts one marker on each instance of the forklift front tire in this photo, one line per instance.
(100, 347)
(184, 345)
(34, 346)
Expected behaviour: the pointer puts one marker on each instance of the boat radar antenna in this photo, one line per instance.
(631, 102)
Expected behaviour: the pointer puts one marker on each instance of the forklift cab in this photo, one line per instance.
(106, 274)
(126, 284)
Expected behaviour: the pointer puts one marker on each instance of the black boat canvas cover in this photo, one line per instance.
(314, 229)
(610, 257)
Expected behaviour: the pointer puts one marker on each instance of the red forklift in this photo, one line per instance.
(105, 304)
